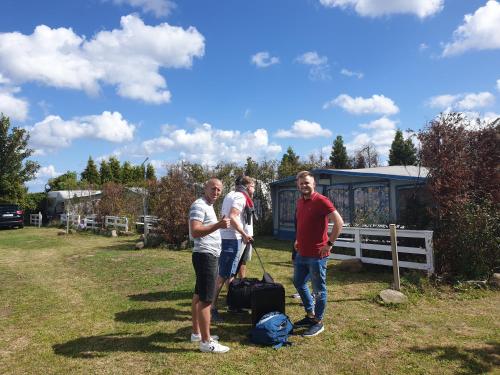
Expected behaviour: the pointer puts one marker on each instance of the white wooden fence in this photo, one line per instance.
(36, 219)
(151, 221)
(74, 219)
(361, 239)
(90, 222)
(118, 222)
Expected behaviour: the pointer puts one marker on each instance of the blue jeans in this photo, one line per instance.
(314, 269)
(228, 260)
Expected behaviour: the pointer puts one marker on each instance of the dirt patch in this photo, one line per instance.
(5, 312)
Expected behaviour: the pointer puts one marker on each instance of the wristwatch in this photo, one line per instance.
(330, 243)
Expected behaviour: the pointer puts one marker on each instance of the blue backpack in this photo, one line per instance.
(272, 329)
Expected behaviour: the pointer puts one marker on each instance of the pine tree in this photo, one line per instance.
(90, 175)
(289, 165)
(251, 168)
(14, 170)
(338, 157)
(138, 175)
(127, 174)
(105, 172)
(150, 173)
(116, 170)
(402, 151)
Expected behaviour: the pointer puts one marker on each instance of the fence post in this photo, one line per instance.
(39, 219)
(395, 260)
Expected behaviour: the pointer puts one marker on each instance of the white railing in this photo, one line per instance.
(74, 219)
(36, 219)
(118, 222)
(359, 240)
(151, 221)
(90, 222)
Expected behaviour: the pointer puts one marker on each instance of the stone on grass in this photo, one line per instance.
(495, 280)
(393, 296)
(351, 265)
(126, 233)
(139, 245)
(61, 233)
(113, 233)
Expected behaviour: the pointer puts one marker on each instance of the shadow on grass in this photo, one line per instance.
(98, 346)
(152, 315)
(340, 277)
(158, 342)
(473, 361)
(124, 245)
(169, 295)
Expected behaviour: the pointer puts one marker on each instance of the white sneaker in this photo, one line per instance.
(213, 346)
(196, 337)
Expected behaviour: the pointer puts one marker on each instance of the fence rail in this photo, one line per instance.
(361, 239)
(36, 219)
(118, 222)
(74, 219)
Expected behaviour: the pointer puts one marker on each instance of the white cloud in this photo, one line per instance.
(442, 101)
(379, 132)
(349, 73)
(129, 58)
(498, 84)
(10, 106)
(208, 145)
(53, 132)
(377, 8)
(422, 47)
(479, 100)
(304, 129)
(462, 102)
(377, 104)
(159, 8)
(264, 59)
(47, 172)
(480, 31)
(319, 68)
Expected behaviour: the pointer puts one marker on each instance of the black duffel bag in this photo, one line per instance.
(239, 295)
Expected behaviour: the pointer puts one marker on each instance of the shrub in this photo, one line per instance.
(462, 158)
(170, 199)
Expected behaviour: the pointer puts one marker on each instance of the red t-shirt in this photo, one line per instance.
(312, 224)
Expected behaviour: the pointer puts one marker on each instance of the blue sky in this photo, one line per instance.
(207, 81)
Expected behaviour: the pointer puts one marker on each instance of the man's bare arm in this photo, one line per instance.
(234, 215)
(200, 230)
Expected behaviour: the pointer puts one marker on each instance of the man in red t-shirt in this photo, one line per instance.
(313, 246)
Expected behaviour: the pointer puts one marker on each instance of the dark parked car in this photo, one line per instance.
(11, 216)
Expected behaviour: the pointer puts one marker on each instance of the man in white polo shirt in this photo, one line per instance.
(204, 230)
(238, 206)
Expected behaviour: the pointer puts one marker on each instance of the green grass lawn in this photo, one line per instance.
(89, 304)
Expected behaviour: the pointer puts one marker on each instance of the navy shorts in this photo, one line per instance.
(205, 268)
(228, 260)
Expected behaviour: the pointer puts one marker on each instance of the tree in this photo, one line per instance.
(116, 170)
(251, 168)
(105, 172)
(90, 174)
(127, 174)
(14, 170)
(150, 172)
(338, 157)
(402, 151)
(366, 157)
(66, 181)
(462, 160)
(138, 172)
(289, 165)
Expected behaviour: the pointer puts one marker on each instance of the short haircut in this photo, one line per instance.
(247, 180)
(214, 179)
(303, 174)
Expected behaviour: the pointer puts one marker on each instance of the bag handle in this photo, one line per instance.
(267, 278)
